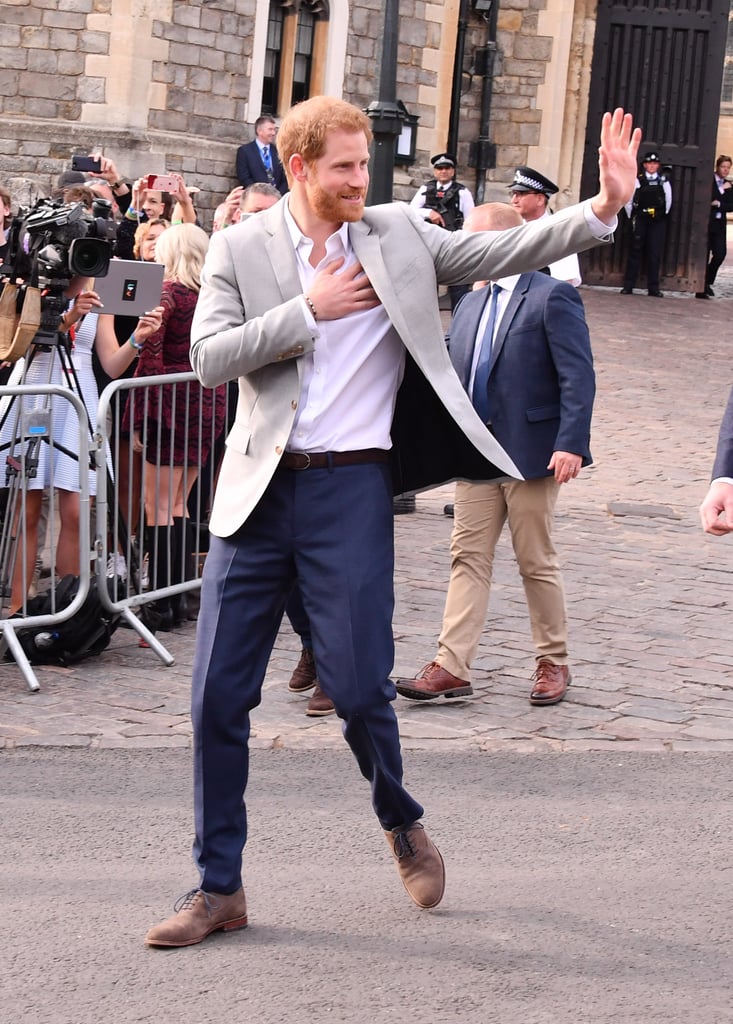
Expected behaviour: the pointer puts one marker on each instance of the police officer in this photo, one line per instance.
(447, 203)
(648, 211)
(530, 194)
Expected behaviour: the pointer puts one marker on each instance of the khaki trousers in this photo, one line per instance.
(480, 513)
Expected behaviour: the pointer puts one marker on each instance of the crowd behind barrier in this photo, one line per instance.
(116, 561)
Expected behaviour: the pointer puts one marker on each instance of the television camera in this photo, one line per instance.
(51, 244)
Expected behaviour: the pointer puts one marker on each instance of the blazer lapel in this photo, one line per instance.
(463, 331)
(280, 251)
(514, 304)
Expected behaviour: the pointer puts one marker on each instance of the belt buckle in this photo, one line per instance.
(307, 464)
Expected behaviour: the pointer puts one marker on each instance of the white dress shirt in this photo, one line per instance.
(351, 378)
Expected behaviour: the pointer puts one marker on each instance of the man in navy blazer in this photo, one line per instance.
(537, 401)
(716, 511)
(258, 160)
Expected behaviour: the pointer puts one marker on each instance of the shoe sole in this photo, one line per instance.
(320, 714)
(414, 694)
(301, 689)
(227, 926)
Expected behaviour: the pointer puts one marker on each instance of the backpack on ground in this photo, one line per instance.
(86, 633)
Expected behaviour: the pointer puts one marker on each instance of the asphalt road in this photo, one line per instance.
(584, 886)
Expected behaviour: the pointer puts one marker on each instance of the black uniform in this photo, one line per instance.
(447, 201)
(648, 230)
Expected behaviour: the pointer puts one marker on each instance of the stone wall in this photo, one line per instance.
(163, 85)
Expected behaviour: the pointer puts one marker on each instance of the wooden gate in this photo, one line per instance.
(662, 60)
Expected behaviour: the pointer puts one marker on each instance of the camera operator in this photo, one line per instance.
(61, 354)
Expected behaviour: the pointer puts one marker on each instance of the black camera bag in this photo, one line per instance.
(87, 632)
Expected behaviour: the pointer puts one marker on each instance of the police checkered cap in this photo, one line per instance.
(526, 179)
(443, 160)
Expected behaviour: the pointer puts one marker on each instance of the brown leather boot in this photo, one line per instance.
(198, 914)
(304, 674)
(319, 704)
(419, 863)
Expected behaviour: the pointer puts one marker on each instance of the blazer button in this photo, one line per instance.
(293, 405)
(278, 450)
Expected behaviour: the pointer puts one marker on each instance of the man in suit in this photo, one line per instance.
(721, 204)
(716, 511)
(521, 349)
(336, 312)
(258, 160)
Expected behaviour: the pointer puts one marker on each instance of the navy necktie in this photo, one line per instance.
(266, 158)
(479, 396)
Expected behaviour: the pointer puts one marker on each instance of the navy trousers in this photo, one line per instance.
(332, 530)
(647, 242)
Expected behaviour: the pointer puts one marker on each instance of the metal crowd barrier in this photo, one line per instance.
(121, 552)
(28, 429)
(121, 497)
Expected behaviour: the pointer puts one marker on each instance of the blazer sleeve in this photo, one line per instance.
(723, 465)
(569, 340)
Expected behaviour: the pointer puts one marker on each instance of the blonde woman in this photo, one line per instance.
(174, 426)
(146, 236)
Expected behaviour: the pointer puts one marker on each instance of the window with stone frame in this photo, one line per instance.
(295, 57)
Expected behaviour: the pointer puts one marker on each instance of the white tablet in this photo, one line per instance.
(130, 287)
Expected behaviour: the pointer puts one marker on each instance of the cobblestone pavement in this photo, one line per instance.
(649, 595)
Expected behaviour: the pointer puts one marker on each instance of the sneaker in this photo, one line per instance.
(116, 566)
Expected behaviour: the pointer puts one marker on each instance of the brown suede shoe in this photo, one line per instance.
(433, 681)
(198, 914)
(304, 675)
(419, 863)
(550, 683)
(319, 704)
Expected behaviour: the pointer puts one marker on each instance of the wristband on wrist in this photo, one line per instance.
(137, 345)
(117, 184)
(132, 214)
(311, 307)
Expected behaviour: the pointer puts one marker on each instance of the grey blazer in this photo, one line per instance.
(249, 324)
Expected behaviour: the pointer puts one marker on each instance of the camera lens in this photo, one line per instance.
(89, 257)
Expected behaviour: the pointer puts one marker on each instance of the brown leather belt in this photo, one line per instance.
(329, 460)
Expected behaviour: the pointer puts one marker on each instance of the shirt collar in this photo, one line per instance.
(299, 239)
(508, 283)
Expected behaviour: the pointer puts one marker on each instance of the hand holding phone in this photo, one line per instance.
(162, 182)
(85, 163)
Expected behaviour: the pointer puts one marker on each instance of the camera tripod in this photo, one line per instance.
(32, 423)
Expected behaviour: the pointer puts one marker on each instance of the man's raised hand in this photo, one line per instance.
(617, 164)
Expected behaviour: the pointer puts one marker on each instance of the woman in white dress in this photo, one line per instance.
(46, 365)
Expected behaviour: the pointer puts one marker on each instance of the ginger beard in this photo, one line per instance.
(336, 184)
